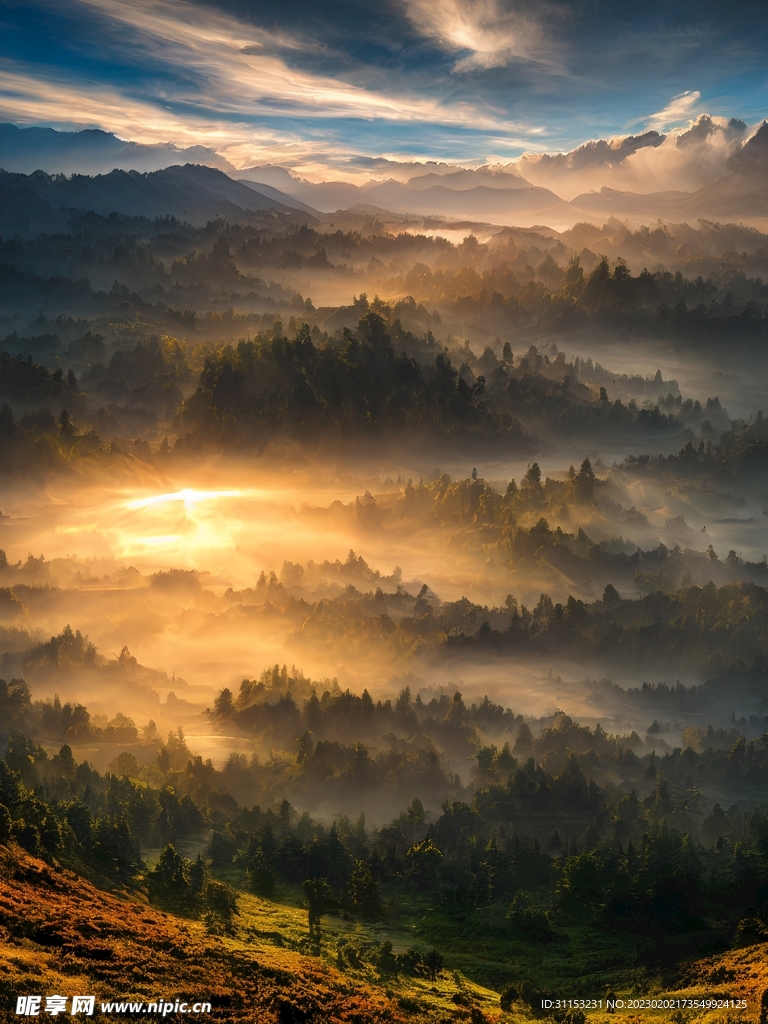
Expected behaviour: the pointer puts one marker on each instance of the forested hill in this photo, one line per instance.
(383, 378)
(544, 874)
(197, 193)
(274, 383)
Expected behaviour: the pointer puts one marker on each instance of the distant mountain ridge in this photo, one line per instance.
(44, 202)
(742, 192)
(93, 151)
(500, 195)
(505, 196)
(465, 194)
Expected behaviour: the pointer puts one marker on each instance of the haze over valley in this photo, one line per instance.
(383, 511)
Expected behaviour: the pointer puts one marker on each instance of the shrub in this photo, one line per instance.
(6, 825)
(508, 996)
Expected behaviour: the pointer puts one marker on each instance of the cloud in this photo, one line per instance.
(259, 75)
(314, 88)
(234, 73)
(706, 127)
(686, 159)
(597, 153)
(678, 109)
(492, 33)
(26, 97)
(201, 77)
(752, 157)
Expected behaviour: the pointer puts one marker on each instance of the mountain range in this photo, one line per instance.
(468, 195)
(40, 202)
(93, 152)
(198, 192)
(504, 195)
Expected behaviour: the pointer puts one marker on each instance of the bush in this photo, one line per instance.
(751, 930)
(27, 836)
(531, 995)
(220, 902)
(533, 924)
(261, 875)
(412, 962)
(409, 1005)
(386, 960)
(508, 996)
(6, 825)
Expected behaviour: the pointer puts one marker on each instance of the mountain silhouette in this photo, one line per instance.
(193, 193)
(92, 151)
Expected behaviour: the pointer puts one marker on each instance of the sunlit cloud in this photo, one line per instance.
(319, 97)
(686, 158)
(492, 32)
(29, 96)
(229, 83)
(679, 108)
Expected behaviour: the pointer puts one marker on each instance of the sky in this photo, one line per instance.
(329, 89)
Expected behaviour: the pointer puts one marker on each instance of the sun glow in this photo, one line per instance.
(188, 495)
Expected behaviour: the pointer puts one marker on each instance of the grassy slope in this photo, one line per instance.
(60, 934)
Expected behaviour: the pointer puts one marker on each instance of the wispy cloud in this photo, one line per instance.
(28, 97)
(680, 108)
(315, 86)
(491, 33)
(237, 70)
(225, 85)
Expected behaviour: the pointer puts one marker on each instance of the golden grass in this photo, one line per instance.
(59, 934)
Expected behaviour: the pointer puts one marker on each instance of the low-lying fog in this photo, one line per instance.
(166, 561)
(110, 552)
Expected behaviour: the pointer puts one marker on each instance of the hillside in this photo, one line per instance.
(60, 934)
(192, 192)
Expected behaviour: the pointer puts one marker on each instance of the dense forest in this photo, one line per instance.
(501, 492)
(541, 848)
(367, 381)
